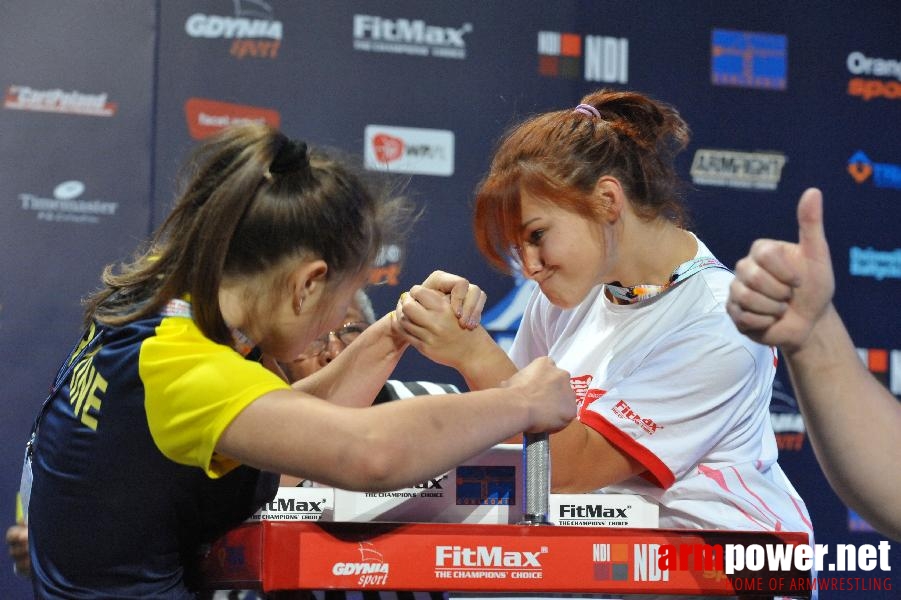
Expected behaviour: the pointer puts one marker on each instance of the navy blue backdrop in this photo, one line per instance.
(102, 99)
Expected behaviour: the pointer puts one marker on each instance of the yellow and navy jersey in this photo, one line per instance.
(127, 482)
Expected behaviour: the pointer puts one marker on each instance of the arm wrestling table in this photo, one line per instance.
(522, 558)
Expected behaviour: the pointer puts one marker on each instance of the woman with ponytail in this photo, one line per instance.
(673, 400)
(170, 419)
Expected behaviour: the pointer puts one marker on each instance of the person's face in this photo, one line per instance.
(325, 348)
(561, 250)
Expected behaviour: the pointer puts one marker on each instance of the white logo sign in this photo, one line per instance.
(747, 170)
(409, 150)
(67, 205)
(403, 36)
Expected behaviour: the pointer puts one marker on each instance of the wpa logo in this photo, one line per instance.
(409, 150)
(387, 148)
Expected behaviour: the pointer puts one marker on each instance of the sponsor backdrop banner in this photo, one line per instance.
(76, 141)
(102, 100)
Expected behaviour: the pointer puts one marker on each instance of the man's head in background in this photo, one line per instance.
(323, 350)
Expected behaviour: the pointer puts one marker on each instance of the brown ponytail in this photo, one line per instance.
(253, 197)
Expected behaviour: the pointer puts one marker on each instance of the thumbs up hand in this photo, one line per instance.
(781, 289)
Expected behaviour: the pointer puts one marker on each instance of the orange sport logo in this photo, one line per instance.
(873, 77)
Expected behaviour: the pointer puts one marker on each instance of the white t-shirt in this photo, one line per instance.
(671, 382)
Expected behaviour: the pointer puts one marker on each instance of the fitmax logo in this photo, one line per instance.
(486, 556)
(409, 32)
(411, 37)
(431, 484)
(591, 511)
(292, 505)
(624, 411)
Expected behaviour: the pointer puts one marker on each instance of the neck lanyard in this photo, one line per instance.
(88, 344)
(638, 293)
(243, 344)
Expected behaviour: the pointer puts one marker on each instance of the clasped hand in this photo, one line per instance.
(438, 316)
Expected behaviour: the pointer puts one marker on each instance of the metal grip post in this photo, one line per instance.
(537, 480)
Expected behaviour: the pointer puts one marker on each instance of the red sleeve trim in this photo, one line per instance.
(657, 472)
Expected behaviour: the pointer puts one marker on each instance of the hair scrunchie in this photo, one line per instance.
(587, 109)
(291, 157)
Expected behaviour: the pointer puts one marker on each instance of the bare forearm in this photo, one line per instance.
(429, 438)
(582, 461)
(385, 447)
(486, 365)
(359, 372)
(852, 421)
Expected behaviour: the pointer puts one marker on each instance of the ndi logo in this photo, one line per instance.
(749, 59)
(606, 58)
(610, 562)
